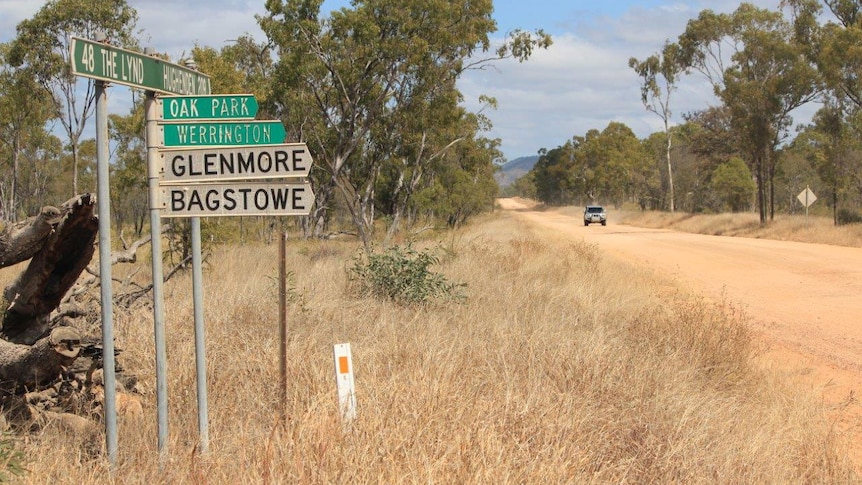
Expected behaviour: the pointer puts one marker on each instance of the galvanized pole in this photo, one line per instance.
(282, 320)
(200, 341)
(158, 276)
(200, 345)
(104, 206)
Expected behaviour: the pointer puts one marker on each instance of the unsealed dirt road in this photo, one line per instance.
(804, 300)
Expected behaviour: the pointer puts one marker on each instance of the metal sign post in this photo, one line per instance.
(105, 281)
(200, 344)
(106, 63)
(153, 168)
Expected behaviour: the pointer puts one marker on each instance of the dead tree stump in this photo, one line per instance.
(60, 243)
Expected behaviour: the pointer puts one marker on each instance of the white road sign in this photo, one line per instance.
(235, 163)
(807, 197)
(237, 199)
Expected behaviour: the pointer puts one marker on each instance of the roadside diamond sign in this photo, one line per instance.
(806, 197)
(212, 107)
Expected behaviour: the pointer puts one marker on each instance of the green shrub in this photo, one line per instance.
(401, 274)
(10, 459)
(847, 216)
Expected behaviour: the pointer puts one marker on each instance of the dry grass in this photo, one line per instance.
(561, 367)
(812, 229)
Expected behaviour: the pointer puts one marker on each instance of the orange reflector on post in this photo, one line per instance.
(344, 382)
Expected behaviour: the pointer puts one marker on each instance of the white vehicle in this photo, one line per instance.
(595, 213)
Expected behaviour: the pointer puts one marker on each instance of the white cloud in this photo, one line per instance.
(583, 80)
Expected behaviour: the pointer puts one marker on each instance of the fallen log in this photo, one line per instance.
(66, 250)
(30, 366)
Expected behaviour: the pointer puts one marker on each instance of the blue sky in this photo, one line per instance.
(582, 82)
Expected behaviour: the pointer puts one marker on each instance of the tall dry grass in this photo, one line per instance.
(561, 367)
(785, 227)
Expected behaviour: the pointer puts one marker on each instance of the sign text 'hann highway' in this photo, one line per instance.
(235, 163)
(237, 199)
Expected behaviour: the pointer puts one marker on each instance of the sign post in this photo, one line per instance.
(108, 64)
(105, 281)
(345, 382)
(209, 151)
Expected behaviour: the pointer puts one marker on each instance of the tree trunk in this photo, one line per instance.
(61, 242)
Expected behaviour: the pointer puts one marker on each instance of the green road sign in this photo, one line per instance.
(108, 63)
(235, 133)
(212, 107)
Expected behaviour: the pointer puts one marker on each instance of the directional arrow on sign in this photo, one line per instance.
(235, 163)
(237, 133)
(214, 107)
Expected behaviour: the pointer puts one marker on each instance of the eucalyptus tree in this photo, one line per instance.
(23, 113)
(660, 73)
(557, 176)
(756, 62)
(340, 78)
(830, 143)
(42, 46)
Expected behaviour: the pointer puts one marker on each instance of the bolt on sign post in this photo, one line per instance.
(344, 382)
(95, 59)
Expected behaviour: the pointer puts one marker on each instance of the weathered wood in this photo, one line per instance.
(20, 241)
(53, 269)
(29, 366)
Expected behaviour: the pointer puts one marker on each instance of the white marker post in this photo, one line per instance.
(344, 382)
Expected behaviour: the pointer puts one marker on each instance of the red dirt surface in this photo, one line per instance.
(804, 300)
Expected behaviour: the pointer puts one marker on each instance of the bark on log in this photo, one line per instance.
(20, 241)
(53, 269)
(29, 366)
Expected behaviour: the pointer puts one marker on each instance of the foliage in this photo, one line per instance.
(10, 459)
(611, 165)
(402, 274)
(372, 88)
(659, 75)
(764, 78)
(733, 184)
(23, 114)
(847, 216)
(42, 46)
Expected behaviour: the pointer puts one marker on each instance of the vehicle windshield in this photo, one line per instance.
(594, 209)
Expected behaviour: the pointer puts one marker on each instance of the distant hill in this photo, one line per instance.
(511, 171)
